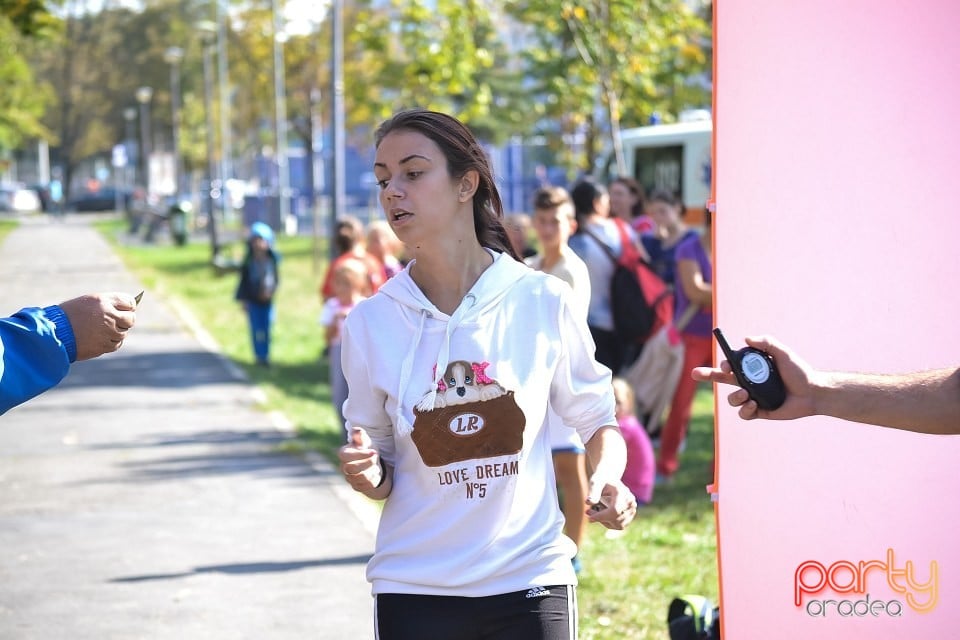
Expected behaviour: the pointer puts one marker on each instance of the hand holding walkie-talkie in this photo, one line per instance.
(756, 372)
(777, 384)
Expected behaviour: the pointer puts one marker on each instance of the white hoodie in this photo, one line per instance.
(473, 510)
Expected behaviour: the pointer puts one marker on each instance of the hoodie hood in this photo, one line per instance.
(491, 287)
(262, 230)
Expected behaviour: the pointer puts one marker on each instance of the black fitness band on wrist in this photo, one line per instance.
(383, 473)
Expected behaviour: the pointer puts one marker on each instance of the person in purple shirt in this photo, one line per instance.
(667, 211)
(694, 286)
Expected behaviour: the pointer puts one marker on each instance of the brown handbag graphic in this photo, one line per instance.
(471, 419)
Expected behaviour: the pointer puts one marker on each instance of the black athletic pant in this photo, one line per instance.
(541, 613)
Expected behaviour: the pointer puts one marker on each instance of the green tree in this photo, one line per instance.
(22, 100)
(446, 55)
(95, 64)
(29, 17)
(622, 58)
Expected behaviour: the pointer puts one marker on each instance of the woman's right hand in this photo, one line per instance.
(360, 463)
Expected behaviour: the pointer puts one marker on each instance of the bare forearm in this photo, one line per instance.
(696, 289)
(607, 452)
(702, 296)
(925, 402)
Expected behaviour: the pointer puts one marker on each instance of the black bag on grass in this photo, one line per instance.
(693, 618)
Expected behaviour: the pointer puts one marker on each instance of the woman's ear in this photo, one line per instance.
(469, 184)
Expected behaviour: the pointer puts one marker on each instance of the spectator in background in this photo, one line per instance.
(694, 287)
(259, 278)
(349, 242)
(518, 230)
(627, 203)
(349, 283)
(641, 463)
(553, 223)
(667, 211)
(38, 345)
(56, 195)
(384, 245)
(595, 228)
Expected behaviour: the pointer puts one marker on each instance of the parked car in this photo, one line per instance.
(102, 199)
(19, 199)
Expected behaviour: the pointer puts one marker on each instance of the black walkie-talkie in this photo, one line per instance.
(757, 373)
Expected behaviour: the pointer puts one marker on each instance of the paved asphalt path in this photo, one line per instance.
(146, 496)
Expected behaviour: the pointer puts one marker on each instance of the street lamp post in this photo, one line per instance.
(129, 115)
(280, 108)
(173, 56)
(226, 138)
(143, 95)
(317, 170)
(209, 40)
(338, 121)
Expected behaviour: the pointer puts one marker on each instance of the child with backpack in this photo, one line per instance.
(259, 278)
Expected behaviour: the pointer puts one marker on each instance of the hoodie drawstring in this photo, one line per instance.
(429, 400)
(404, 428)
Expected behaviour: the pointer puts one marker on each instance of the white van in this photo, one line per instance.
(675, 157)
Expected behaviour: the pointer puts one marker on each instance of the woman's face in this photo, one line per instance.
(602, 205)
(418, 196)
(664, 215)
(621, 200)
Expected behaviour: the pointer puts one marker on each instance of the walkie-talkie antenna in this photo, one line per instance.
(727, 351)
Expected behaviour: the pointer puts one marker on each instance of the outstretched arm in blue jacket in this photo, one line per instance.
(38, 345)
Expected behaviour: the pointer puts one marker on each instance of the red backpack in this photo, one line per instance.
(640, 300)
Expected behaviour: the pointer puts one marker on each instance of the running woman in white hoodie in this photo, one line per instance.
(451, 367)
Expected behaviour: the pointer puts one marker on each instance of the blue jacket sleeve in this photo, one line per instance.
(36, 349)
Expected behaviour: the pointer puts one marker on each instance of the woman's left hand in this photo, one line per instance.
(611, 504)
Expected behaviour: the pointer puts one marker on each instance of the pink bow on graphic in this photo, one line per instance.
(478, 373)
(441, 385)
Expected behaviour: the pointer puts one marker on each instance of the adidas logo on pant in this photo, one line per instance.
(538, 592)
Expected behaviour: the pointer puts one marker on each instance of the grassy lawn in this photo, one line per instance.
(6, 226)
(628, 581)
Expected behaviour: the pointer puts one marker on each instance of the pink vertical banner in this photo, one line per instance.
(837, 156)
